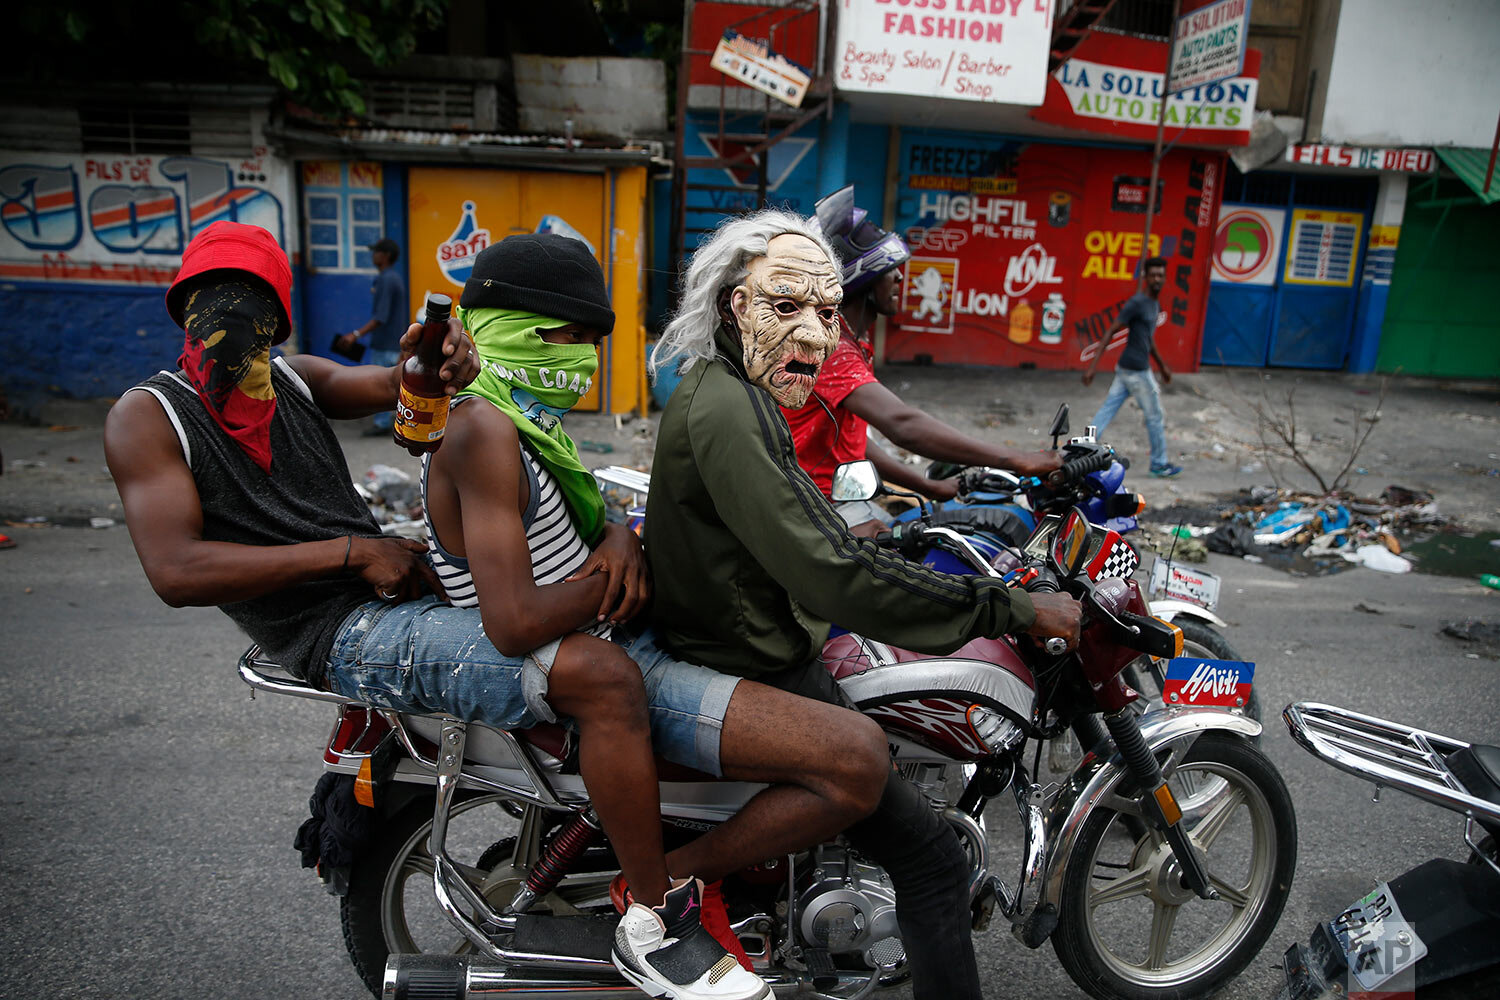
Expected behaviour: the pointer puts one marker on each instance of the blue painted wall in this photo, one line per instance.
(82, 341)
(333, 302)
(869, 151)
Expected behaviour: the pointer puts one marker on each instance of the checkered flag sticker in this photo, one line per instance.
(1117, 558)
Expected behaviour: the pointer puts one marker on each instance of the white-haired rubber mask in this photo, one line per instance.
(787, 310)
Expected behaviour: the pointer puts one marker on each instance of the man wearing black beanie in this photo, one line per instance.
(541, 273)
(516, 528)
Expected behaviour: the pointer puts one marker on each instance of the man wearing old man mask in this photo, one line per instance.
(751, 562)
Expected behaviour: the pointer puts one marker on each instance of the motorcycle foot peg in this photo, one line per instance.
(992, 893)
(825, 975)
(426, 977)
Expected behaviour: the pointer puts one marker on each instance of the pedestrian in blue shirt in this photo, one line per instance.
(1133, 371)
(387, 322)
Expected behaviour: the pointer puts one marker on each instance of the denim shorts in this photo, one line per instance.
(426, 657)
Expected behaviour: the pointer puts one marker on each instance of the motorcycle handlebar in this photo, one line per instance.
(983, 480)
(904, 538)
(1075, 469)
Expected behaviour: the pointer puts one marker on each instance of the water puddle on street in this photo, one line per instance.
(1292, 562)
(1455, 555)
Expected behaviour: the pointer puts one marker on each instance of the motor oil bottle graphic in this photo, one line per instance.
(1020, 323)
(1052, 319)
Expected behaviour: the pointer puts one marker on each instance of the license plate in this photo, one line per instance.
(1192, 682)
(1185, 583)
(1378, 943)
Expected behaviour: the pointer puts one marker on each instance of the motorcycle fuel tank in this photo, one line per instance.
(929, 699)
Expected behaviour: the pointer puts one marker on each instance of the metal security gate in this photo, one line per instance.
(1287, 255)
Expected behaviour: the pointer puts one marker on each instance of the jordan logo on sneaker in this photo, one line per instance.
(688, 908)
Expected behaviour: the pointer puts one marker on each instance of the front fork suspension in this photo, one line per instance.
(1160, 805)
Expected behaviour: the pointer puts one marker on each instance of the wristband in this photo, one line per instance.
(348, 544)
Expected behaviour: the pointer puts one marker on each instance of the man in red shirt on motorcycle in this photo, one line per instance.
(847, 399)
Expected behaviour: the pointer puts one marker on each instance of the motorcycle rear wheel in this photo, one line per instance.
(1118, 885)
(390, 907)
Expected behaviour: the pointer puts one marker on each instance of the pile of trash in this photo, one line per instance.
(394, 500)
(1358, 530)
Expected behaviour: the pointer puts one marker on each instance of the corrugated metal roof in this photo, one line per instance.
(1471, 165)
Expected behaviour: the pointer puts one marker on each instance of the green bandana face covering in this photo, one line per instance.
(535, 383)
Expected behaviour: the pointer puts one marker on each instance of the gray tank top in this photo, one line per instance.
(307, 497)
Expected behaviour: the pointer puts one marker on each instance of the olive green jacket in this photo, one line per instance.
(751, 562)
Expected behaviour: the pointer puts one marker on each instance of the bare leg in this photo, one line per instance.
(600, 687)
(827, 767)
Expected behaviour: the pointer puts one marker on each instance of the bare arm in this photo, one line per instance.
(352, 391)
(900, 474)
(919, 432)
(165, 517)
(1088, 375)
(480, 462)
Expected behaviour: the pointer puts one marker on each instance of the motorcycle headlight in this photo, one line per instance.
(992, 729)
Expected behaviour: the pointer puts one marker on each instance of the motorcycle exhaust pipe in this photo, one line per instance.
(459, 977)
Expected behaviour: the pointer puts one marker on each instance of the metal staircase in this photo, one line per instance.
(740, 126)
(1074, 22)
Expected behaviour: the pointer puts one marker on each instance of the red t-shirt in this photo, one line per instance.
(825, 442)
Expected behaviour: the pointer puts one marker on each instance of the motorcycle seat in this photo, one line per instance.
(548, 738)
(1477, 767)
(552, 740)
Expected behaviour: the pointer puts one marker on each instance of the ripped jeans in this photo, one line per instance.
(425, 656)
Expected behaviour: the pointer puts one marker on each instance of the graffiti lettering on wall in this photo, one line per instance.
(120, 220)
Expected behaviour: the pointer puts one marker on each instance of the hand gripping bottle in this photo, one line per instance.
(422, 406)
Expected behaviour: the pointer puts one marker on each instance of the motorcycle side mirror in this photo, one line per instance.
(1070, 546)
(1059, 424)
(855, 481)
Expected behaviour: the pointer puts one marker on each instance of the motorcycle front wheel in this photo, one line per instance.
(1129, 929)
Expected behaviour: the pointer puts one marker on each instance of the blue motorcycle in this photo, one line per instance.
(997, 511)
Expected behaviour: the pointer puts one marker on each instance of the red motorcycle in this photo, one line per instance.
(1157, 868)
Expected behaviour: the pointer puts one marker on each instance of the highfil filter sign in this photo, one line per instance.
(969, 50)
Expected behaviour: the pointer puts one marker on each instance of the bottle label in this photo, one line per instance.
(421, 418)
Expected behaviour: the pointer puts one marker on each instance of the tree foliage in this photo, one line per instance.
(307, 47)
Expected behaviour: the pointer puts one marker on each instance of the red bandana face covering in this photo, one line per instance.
(227, 358)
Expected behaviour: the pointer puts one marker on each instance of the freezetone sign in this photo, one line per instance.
(970, 50)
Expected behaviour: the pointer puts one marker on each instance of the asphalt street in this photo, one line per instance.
(149, 804)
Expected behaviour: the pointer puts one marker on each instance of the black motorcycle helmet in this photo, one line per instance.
(865, 250)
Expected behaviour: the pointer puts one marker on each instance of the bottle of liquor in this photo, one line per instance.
(422, 406)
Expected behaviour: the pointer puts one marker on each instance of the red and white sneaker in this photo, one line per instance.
(665, 951)
(715, 917)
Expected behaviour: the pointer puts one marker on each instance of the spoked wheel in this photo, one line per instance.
(1130, 929)
(391, 908)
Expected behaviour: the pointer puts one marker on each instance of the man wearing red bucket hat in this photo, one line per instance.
(237, 494)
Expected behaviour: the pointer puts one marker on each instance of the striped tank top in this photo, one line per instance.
(557, 550)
